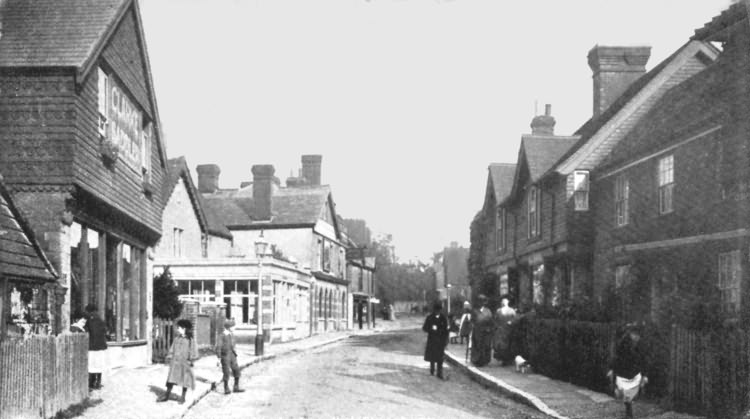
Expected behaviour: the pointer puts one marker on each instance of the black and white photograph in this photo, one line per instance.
(375, 209)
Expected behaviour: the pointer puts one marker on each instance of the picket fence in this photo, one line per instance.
(42, 375)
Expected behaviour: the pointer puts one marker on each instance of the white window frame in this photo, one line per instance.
(533, 207)
(622, 196)
(729, 280)
(581, 190)
(666, 184)
(500, 230)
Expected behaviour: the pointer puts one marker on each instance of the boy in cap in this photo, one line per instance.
(227, 354)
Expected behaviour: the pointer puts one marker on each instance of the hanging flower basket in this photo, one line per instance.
(110, 150)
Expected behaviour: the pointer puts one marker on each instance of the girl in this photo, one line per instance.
(181, 356)
(627, 368)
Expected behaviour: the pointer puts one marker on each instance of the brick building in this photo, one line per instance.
(83, 156)
(299, 221)
(200, 254)
(671, 197)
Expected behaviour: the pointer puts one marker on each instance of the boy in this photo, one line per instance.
(228, 357)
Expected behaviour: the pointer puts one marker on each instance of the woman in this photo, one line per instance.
(627, 368)
(481, 336)
(97, 346)
(464, 329)
(436, 326)
(181, 356)
(504, 317)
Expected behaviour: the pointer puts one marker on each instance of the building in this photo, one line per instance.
(82, 155)
(671, 197)
(200, 254)
(300, 223)
(362, 283)
(28, 290)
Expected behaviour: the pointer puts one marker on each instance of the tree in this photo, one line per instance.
(167, 303)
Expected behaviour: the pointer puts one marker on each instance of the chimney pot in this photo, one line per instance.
(543, 124)
(615, 68)
(263, 179)
(208, 177)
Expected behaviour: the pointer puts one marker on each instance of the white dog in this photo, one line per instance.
(522, 365)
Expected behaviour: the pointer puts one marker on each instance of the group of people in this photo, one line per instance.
(182, 354)
(487, 333)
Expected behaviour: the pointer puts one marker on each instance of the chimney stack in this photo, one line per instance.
(311, 168)
(543, 124)
(262, 191)
(615, 69)
(208, 177)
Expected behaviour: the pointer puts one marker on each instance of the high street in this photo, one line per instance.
(381, 375)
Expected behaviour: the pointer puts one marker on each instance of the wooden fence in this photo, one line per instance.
(207, 326)
(704, 372)
(162, 336)
(42, 375)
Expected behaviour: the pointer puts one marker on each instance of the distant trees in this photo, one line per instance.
(399, 281)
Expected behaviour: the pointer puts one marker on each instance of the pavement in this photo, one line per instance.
(557, 399)
(132, 392)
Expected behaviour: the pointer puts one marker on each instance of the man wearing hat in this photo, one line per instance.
(227, 354)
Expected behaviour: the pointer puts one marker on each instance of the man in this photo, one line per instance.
(227, 354)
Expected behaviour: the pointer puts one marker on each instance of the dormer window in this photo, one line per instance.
(581, 190)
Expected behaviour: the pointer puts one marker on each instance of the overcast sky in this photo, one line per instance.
(408, 101)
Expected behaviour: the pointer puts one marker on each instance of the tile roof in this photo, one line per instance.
(54, 33)
(543, 152)
(501, 175)
(20, 253)
(290, 206)
(715, 29)
(177, 169)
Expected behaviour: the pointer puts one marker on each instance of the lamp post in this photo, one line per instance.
(261, 245)
(448, 292)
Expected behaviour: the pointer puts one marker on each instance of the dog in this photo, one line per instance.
(522, 365)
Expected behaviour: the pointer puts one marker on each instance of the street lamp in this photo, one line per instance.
(261, 246)
(448, 288)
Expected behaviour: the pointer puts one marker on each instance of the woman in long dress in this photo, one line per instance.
(504, 317)
(481, 344)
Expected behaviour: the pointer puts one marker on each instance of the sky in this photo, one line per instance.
(408, 101)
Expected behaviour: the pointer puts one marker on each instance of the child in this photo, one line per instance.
(228, 357)
(452, 329)
(181, 355)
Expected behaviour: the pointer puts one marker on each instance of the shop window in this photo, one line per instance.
(84, 267)
(28, 311)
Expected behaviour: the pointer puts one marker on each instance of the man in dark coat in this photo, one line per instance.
(436, 326)
(97, 346)
(227, 354)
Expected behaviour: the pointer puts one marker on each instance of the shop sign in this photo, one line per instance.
(125, 126)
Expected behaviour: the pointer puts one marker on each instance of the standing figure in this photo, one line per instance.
(182, 354)
(227, 354)
(97, 346)
(627, 368)
(436, 326)
(504, 317)
(481, 344)
(464, 328)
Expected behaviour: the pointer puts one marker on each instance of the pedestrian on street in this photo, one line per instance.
(436, 326)
(97, 346)
(627, 367)
(504, 318)
(464, 328)
(79, 323)
(227, 354)
(181, 356)
(481, 345)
